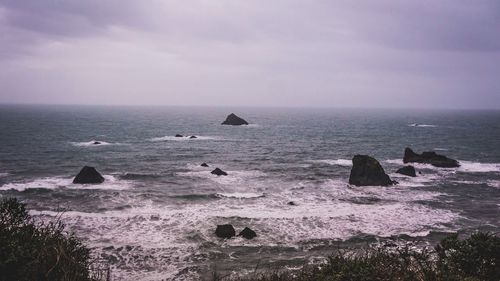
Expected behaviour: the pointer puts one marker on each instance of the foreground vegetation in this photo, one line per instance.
(476, 258)
(40, 251)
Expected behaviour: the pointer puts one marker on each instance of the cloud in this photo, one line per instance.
(289, 53)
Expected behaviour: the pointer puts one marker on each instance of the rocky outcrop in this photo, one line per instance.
(429, 157)
(88, 175)
(193, 137)
(204, 165)
(247, 233)
(96, 142)
(225, 231)
(219, 172)
(291, 203)
(233, 119)
(407, 171)
(179, 136)
(367, 170)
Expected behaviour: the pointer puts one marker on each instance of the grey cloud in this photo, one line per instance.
(292, 52)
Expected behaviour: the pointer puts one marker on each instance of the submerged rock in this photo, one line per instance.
(367, 170)
(193, 137)
(88, 175)
(407, 171)
(247, 233)
(291, 203)
(429, 157)
(219, 172)
(96, 142)
(233, 119)
(204, 165)
(179, 136)
(225, 231)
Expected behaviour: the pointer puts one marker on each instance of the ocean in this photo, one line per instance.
(155, 215)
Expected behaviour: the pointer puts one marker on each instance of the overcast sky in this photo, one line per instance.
(331, 53)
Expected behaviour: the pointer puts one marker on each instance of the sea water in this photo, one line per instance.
(155, 215)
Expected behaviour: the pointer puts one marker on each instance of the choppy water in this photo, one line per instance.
(155, 215)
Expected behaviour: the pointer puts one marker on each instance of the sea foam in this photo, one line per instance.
(110, 183)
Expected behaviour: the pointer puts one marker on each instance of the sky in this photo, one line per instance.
(286, 53)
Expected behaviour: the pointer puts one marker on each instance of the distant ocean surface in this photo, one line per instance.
(155, 215)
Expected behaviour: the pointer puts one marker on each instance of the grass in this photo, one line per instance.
(31, 250)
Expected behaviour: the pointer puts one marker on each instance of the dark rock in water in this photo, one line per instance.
(225, 231)
(204, 165)
(247, 233)
(407, 171)
(234, 120)
(179, 136)
(291, 203)
(429, 157)
(219, 172)
(88, 175)
(367, 170)
(193, 137)
(96, 142)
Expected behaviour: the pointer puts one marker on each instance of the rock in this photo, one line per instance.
(219, 172)
(88, 175)
(367, 170)
(407, 171)
(193, 137)
(225, 231)
(429, 157)
(234, 120)
(247, 233)
(96, 142)
(204, 165)
(179, 136)
(291, 203)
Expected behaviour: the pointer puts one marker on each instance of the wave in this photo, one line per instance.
(110, 183)
(2, 175)
(186, 138)
(338, 162)
(477, 167)
(494, 183)
(233, 177)
(241, 195)
(465, 166)
(93, 143)
(422, 125)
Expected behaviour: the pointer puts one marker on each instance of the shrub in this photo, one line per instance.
(476, 258)
(38, 251)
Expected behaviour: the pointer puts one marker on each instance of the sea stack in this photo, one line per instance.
(429, 157)
(233, 119)
(367, 171)
(218, 172)
(88, 175)
(225, 231)
(407, 171)
(247, 233)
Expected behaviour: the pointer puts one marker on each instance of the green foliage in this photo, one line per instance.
(38, 251)
(476, 258)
